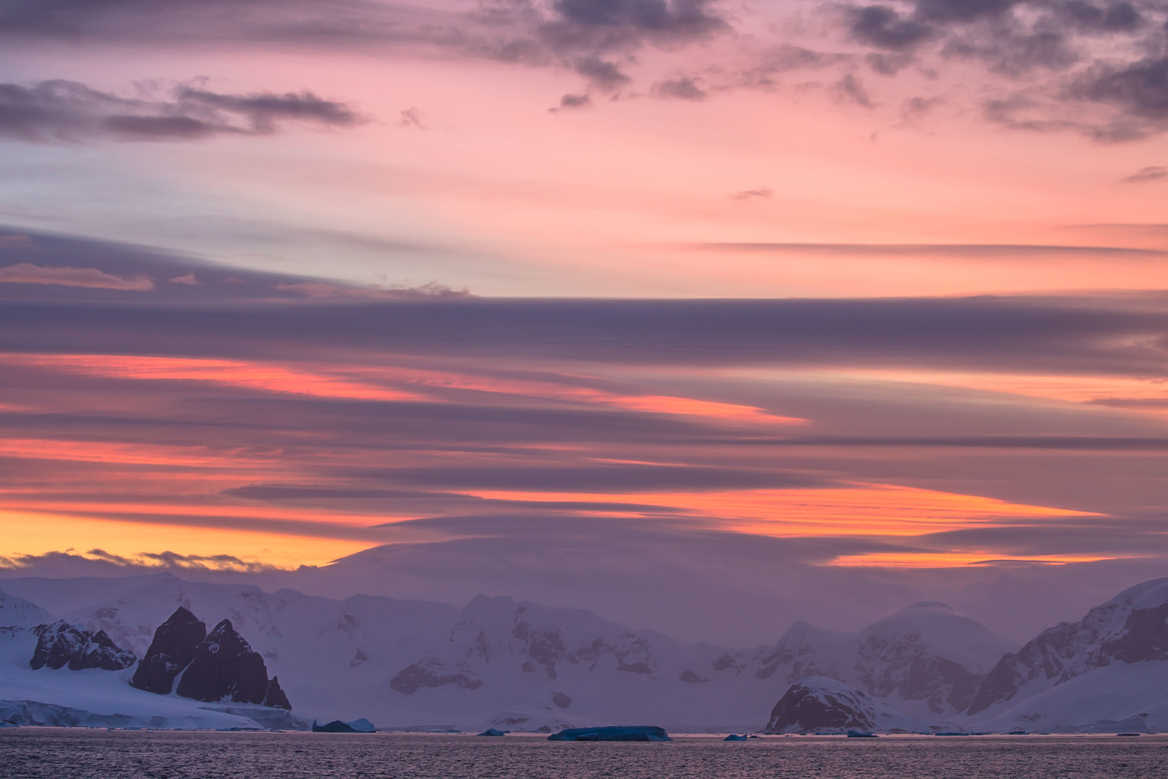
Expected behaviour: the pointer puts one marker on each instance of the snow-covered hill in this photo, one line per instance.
(18, 612)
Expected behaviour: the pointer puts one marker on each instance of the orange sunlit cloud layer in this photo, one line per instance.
(298, 380)
(264, 377)
(870, 509)
(960, 559)
(188, 482)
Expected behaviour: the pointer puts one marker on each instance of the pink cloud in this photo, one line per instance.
(92, 278)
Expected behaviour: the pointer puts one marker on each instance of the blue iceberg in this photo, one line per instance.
(493, 732)
(612, 733)
(361, 725)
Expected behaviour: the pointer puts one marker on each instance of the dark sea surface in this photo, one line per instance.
(62, 752)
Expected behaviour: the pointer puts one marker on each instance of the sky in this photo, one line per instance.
(821, 307)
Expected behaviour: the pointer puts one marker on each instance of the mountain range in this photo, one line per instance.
(498, 662)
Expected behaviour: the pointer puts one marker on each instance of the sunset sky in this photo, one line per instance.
(818, 291)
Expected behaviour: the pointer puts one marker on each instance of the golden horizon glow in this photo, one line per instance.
(37, 533)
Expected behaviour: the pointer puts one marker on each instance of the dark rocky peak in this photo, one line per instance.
(61, 644)
(225, 667)
(819, 703)
(171, 650)
(274, 696)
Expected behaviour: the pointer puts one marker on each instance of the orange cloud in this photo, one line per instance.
(132, 453)
(219, 511)
(262, 376)
(955, 559)
(857, 510)
(672, 405)
(711, 409)
(1085, 389)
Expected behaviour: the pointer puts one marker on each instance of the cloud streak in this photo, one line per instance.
(86, 278)
(61, 111)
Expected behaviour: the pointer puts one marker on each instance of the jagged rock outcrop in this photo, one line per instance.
(172, 650)
(819, 703)
(215, 666)
(429, 673)
(61, 644)
(1130, 628)
(275, 696)
(225, 667)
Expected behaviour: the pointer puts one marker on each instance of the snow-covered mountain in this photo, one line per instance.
(526, 665)
(926, 658)
(924, 661)
(1107, 668)
(333, 657)
(94, 696)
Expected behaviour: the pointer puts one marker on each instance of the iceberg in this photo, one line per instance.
(612, 733)
(361, 725)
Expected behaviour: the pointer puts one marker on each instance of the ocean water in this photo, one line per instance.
(62, 752)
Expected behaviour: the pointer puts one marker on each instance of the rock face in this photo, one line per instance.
(172, 650)
(60, 644)
(926, 652)
(225, 667)
(1130, 628)
(430, 673)
(819, 703)
(215, 666)
(275, 696)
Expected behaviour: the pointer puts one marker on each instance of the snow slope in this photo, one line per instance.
(1064, 673)
(333, 657)
(18, 612)
(99, 698)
